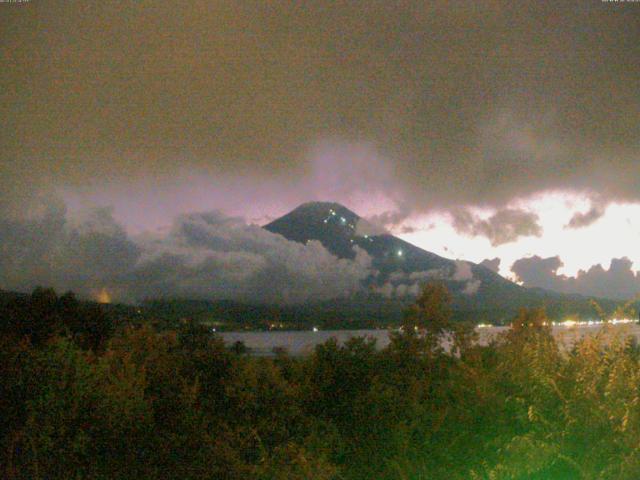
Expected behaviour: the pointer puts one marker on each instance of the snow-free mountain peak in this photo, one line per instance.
(401, 267)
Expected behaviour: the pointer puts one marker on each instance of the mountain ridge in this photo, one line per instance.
(341, 231)
(402, 268)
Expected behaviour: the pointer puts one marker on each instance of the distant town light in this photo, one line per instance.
(103, 296)
(616, 321)
(399, 253)
(592, 323)
(315, 329)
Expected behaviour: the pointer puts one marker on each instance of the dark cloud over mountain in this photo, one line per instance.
(472, 104)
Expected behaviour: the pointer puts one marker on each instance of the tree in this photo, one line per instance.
(426, 322)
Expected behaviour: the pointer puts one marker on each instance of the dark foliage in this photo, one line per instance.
(80, 399)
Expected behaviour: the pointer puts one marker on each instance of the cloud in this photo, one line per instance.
(472, 287)
(203, 256)
(487, 107)
(401, 290)
(387, 289)
(406, 229)
(504, 226)
(369, 228)
(390, 218)
(539, 272)
(428, 274)
(48, 249)
(383, 223)
(401, 284)
(462, 271)
(618, 282)
(581, 220)
(397, 276)
(221, 257)
(491, 264)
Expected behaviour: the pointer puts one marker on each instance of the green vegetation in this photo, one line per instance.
(84, 397)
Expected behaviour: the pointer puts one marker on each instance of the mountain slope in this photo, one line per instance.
(402, 267)
(398, 262)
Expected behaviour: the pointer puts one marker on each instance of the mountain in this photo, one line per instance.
(398, 262)
(402, 268)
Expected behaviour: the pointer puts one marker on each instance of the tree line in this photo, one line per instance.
(82, 397)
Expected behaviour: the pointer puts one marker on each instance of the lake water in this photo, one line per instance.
(303, 342)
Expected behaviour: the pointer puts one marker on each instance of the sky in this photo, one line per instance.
(476, 130)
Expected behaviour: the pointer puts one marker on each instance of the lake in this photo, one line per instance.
(303, 342)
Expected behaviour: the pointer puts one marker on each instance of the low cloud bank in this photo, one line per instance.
(618, 282)
(401, 284)
(203, 255)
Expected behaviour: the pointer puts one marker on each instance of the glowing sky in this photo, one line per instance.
(616, 234)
